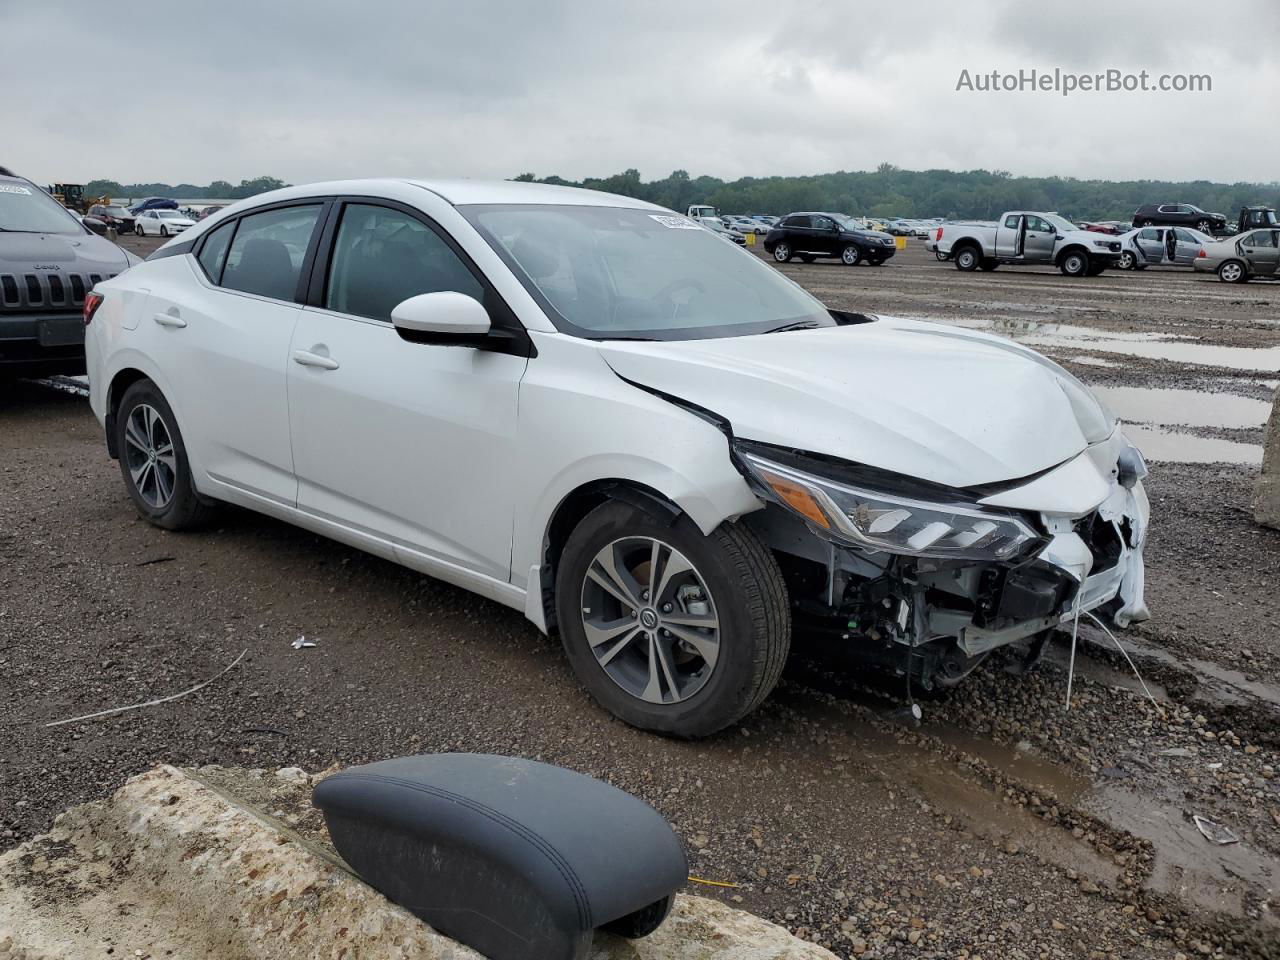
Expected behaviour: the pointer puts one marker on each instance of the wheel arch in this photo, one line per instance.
(129, 370)
(1069, 249)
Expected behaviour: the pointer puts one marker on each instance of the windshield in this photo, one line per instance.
(1062, 223)
(25, 209)
(617, 273)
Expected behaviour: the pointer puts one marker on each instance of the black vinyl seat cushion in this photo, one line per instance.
(517, 859)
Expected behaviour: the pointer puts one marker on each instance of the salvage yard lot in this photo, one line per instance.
(1003, 826)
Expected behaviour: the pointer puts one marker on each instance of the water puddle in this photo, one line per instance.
(1172, 446)
(1095, 362)
(1176, 348)
(1186, 408)
(1216, 681)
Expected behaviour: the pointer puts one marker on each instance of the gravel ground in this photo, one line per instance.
(1004, 826)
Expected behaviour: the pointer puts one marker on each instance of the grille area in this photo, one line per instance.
(46, 292)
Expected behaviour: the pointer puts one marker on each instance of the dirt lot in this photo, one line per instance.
(1004, 826)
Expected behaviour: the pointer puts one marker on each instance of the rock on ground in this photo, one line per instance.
(171, 866)
(1266, 495)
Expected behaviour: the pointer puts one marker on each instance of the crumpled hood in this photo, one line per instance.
(83, 253)
(944, 404)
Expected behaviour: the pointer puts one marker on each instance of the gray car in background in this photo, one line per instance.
(1242, 258)
(1157, 246)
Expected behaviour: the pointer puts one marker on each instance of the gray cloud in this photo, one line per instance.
(160, 91)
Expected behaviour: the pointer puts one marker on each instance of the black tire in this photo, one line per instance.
(967, 258)
(782, 253)
(988, 264)
(1233, 271)
(164, 231)
(1140, 266)
(641, 922)
(1097, 269)
(137, 229)
(807, 257)
(1127, 261)
(850, 255)
(183, 509)
(1074, 263)
(746, 591)
(939, 255)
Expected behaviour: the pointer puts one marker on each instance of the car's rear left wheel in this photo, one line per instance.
(1233, 271)
(153, 459)
(669, 629)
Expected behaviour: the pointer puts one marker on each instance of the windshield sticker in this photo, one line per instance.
(5, 188)
(675, 223)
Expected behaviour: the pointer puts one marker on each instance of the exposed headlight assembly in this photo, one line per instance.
(880, 521)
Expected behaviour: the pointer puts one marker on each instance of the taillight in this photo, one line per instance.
(92, 302)
(939, 235)
(1202, 253)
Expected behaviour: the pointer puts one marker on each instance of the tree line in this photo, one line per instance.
(887, 191)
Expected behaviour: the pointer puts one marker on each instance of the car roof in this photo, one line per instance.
(462, 192)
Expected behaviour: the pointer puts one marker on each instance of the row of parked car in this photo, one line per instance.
(152, 217)
(1024, 237)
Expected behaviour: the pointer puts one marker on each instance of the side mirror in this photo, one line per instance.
(442, 318)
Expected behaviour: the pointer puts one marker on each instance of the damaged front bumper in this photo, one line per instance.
(1092, 516)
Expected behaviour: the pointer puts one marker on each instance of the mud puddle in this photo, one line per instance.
(1173, 446)
(1176, 348)
(1216, 682)
(1184, 408)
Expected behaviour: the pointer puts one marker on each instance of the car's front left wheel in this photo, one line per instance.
(782, 252)
(851, 255)
(153, 460)
(669, 629)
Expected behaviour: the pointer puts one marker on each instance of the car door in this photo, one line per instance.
(220, 330)
(1009, 236)
(799, 232)
(824, 239)
(1186, 248)
(1150, 243)
(1260, 250)
(1040, 240)
(400, 442)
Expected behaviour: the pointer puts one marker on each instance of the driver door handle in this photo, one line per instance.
(309, 359)
(169, 320)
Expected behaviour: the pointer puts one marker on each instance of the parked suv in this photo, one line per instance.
(812, 235)
(590, 409)
(113, 215)
(1179, 215)
(49, 261)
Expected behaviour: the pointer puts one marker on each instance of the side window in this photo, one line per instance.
(1011, 221)
(214, 251)
(383, 256)
(822, 223)
(1038, 225)
(1263, 238)
(799, 220)
(1149, 234)
(1168, 208)
(266, 255)
(1185, 236)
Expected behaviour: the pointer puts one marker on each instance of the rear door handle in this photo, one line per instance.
(309, 359)
(169, 320)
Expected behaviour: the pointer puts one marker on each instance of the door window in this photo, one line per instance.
(1011, 221)
(382, 257)
(214, 251)
(822, 223)
(1263, 238)
(1149, 234)
(267, 253)
(1187, 237)
(800, 220)
(1038, 225)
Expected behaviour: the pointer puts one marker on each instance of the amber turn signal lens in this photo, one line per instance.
(798, 499)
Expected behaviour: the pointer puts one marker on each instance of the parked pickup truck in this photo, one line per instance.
(1024, 237)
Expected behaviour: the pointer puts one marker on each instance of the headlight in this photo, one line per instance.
(1106, 244)
(895, 524)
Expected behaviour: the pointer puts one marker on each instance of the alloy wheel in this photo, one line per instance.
(1231, 271)
(650, 620)
(850, 255)
(150, 456)
(782, 253)
(1126, 261)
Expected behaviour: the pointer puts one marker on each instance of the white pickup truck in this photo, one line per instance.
(1026, 237)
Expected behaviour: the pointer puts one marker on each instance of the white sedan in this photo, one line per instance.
(746, 225)
(161, 223)
(592, 410)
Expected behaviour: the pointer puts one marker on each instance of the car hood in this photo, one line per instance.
(75, 252)
(944, 404)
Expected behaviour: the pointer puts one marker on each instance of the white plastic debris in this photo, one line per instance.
(1215, 832)
(302, 642)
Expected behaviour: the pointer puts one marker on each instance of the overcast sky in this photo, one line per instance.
(162, 91)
